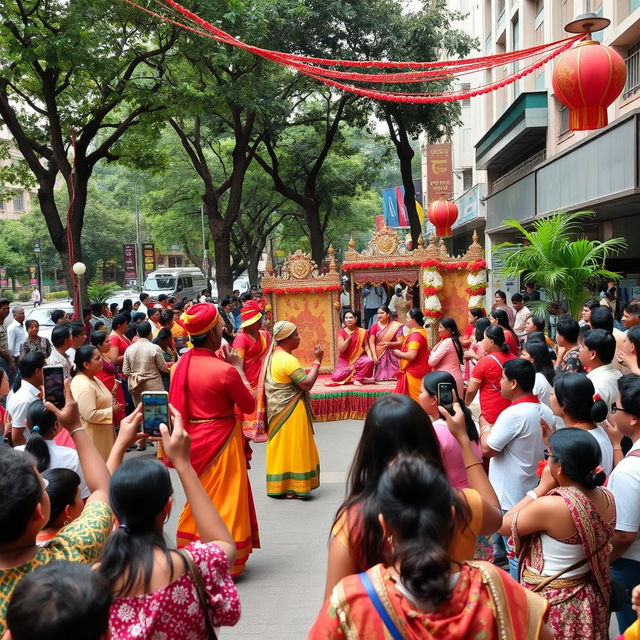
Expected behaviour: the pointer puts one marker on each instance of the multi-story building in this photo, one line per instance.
(523, 151)
(20, 201)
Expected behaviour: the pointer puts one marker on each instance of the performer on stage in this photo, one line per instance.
(384, 336)
(252, 345)
(293, 465)
(414, 356)
(355, 363)
(205, 389)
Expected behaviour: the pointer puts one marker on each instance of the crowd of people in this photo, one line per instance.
(493, 494)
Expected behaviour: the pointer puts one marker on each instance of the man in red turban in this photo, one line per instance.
(206, 390)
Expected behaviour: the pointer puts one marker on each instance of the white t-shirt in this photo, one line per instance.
(518, 436)
(605, 382)
(542, 389)
(624, 483)
(18, 404)
(65, 458)
(606, 448)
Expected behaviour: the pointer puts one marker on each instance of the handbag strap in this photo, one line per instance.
(380, 608)
(541, 585)
(203, 598)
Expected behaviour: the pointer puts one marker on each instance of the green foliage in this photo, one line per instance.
(13, 173)
(101, 292)
(7, 294)
(57, 295)
(24, 296)
(554, 254)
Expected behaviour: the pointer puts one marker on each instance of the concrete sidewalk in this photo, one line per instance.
(281, 590)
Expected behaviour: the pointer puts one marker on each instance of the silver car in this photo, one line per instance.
(43, 316)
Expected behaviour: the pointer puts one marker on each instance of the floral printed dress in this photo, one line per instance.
(173, 612)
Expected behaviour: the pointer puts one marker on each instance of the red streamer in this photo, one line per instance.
(434, 70)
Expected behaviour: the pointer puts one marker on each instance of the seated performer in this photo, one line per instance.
(384, 336)
(414, 356)
(252, 345)
(355, 364)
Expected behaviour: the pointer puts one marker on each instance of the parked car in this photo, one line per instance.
(121, 296)
(43, 316)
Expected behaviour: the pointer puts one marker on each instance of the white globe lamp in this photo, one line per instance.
(79, 268)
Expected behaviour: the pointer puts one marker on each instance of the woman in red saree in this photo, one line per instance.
(385, 335)
(252, 345)
(563, 537)
(206, 390)
(109, 375)
(414, 356)
(355, 364)
(420, 592)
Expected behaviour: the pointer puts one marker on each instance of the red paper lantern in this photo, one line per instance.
(587, 79)
(442, 214)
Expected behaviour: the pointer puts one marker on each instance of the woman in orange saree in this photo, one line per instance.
(420, 593)
(385, 335)
(414, 356)
(206, 389)
(354, 364)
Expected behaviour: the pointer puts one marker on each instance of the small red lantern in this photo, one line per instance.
(587, 79)
(442, 214)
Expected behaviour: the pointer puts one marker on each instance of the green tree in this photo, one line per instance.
(88, 68)
(554, 254)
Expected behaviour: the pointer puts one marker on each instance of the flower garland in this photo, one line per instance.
(285, 290)
(438, 264)
(477, 287)
(433, 283)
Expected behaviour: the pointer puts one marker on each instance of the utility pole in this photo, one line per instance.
(138, 239)
(36, 250)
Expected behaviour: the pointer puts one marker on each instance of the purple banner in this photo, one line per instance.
(129, 251)
(32, 270)
(4, 283)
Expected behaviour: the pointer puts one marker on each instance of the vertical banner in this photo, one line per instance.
(148, 258)
(403, 216)
(129, 252)
(390, 207)
(32, 270)
(3, 278)
(379, 222)
(439, 172)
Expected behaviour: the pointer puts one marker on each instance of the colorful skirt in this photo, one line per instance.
(293, 465)
(361, 369)
(227, 483)
(387, 367)
(408, 385)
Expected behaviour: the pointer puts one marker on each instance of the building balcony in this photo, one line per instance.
(600, 173)
(522, 127)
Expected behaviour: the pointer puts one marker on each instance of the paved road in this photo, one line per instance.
(281, 590)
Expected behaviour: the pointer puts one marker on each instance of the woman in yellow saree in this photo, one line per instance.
(293, 465)
(414, 356)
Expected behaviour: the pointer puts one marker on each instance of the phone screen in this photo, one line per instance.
(445, 394)
(53, 380)
(155, 411)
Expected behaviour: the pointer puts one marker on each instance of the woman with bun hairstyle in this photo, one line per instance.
(418, 590)
(63, 489)
(537, 352)
(413, 356)
(574, 401)
(447, 354)
(562, 532)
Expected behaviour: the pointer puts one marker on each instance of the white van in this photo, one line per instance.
(186, 282)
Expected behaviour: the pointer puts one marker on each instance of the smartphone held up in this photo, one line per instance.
(53, 381)
(155, 411)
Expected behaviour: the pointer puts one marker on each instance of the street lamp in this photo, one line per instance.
(79, 268)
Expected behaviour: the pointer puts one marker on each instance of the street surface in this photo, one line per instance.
(281, 590)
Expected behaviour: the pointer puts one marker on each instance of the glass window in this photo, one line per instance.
(467, 178)
(465, 86)
(160, 283)
(18, 202)
(633, 5)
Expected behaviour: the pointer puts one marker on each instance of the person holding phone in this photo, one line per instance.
(206, 390)
(146, 574)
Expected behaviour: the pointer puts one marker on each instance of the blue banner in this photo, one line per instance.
(390, 207)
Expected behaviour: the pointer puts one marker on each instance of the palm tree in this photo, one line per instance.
(554, 254)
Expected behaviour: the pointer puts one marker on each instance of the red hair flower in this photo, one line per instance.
(541, 466)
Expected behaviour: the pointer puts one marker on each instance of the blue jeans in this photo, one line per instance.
(627, 572)
(513, 560)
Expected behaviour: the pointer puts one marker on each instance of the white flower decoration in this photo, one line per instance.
(432, 303)
(474, 279)
(431, 278)
(476, 302)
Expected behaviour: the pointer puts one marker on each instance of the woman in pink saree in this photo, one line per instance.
(355, 364)
(385, 335)
(562, 537)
